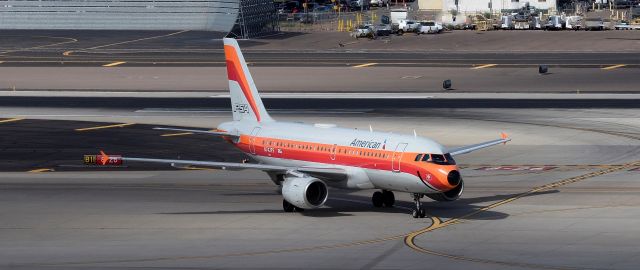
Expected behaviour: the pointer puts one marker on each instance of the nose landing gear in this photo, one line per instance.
(418, 212)
(385, 198)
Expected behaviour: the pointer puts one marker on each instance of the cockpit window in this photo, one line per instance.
(450, 159)
(418, 157)
(438, 159)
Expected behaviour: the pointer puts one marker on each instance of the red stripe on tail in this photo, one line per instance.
(236, 73)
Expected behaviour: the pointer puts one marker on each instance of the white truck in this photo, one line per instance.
(405, 26)
(397, 14)
(379, 3)
(429, 27)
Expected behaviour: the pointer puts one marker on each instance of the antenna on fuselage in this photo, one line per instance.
(370, 128)
(415, 135)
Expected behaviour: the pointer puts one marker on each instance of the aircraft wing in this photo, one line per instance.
(470, 148)
(325, 173)
(210, 132)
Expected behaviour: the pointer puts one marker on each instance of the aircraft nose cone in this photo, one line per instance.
(454, 178)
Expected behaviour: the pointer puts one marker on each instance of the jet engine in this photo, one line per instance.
(450, 195)
(304, 192)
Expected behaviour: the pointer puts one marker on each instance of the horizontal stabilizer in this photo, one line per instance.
(210, 132)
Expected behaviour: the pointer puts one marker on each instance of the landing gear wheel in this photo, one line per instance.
(418, 212)
(377, 199)
(288, 207)
(388, 199)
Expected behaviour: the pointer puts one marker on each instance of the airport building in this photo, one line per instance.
(253, 17)
(461, 8)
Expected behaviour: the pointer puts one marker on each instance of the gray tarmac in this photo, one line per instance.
(32, 48)
(562, 195)
(376, 79)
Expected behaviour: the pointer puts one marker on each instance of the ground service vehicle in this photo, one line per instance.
(554, 23)
(407, 26)
(379, 3)
(429, 27)
(574, 22)
(383, 30)
(364, 31)
(594, 24)
(507, 23)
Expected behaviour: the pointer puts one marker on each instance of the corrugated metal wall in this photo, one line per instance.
(209, 15)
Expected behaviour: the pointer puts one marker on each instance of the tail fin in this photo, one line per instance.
(245, 100)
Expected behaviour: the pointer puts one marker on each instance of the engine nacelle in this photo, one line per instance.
(304, 192)
(450, 195)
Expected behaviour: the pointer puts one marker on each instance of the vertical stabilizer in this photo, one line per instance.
(245, 99)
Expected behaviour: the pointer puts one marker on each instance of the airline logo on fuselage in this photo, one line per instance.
(366, 144)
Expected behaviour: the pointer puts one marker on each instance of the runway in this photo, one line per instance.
(562, 195)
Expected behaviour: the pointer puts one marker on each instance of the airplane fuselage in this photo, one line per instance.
(373, 159)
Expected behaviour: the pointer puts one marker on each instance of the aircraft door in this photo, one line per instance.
(252, 139)
(397, 156)
(333, 151)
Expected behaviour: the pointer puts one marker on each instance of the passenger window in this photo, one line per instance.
(418, 157)
(425, 157)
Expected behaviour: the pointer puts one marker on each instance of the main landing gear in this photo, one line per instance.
(288, 207)
(418, 212)
(384, 197)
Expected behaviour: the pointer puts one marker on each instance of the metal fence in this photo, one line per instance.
(327, 21)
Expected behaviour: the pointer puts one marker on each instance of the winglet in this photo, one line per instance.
(104, 158)
(504, 137)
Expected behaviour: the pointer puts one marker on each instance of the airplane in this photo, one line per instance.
(305, 159)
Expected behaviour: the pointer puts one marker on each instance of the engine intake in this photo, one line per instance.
(450, 195)
(305, 192)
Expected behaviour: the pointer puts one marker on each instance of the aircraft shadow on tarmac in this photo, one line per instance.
(345, 204)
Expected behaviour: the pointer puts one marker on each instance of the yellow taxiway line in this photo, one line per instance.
(67, 53)
(11, 120)
(484, 66)
(176, 134)
(41, 170)
(365, 65)
(103, 127)
(136, 40)
(114, 64)
(613, 67)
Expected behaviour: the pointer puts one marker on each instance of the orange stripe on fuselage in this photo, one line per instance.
(347, 156)
(236, 73)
